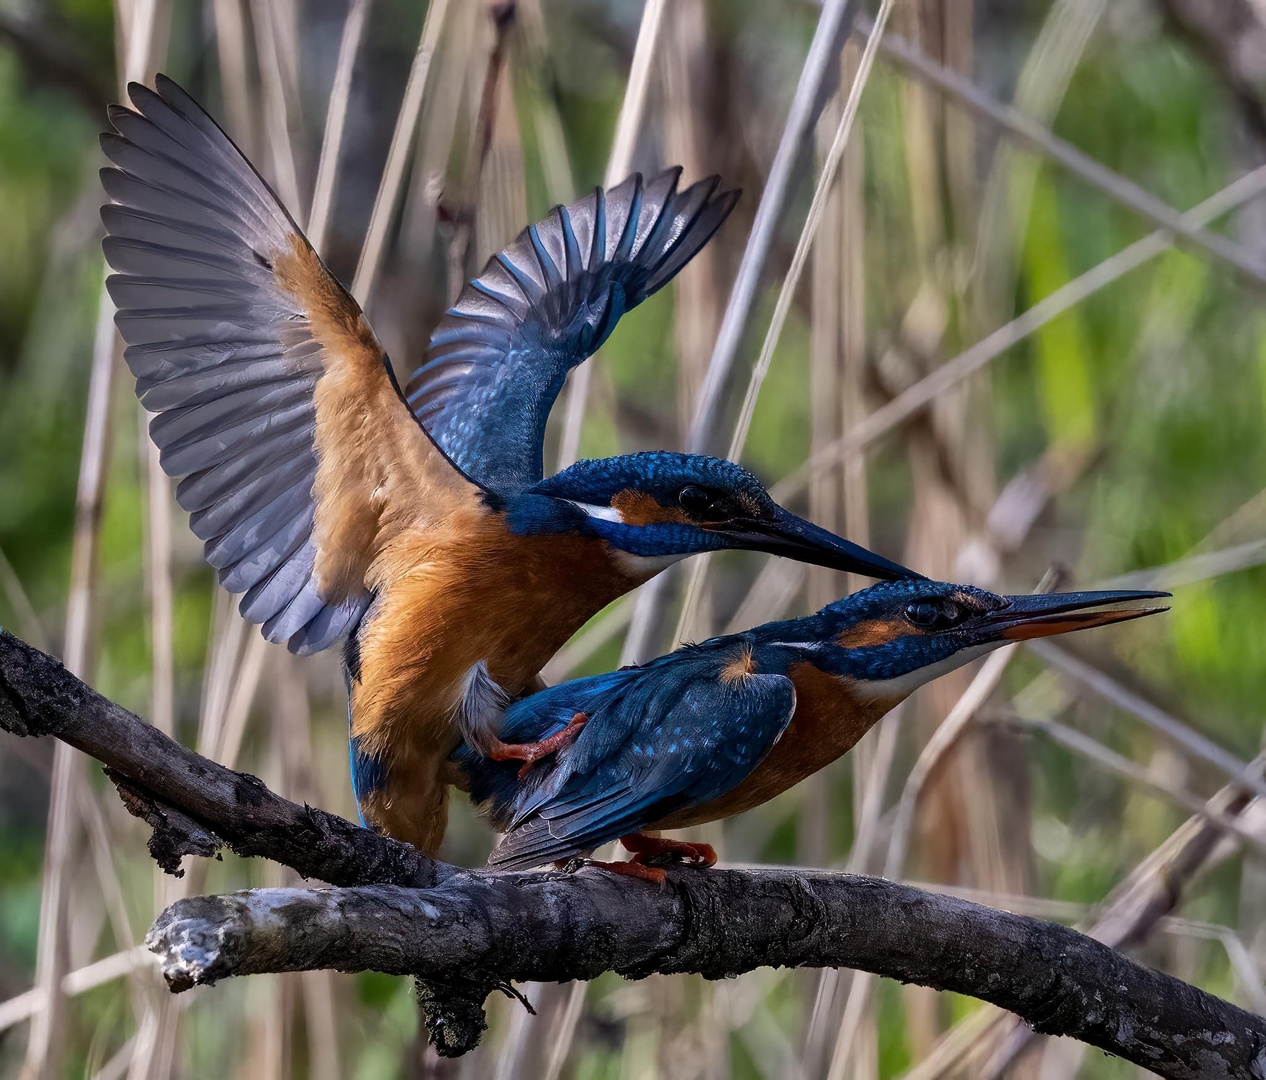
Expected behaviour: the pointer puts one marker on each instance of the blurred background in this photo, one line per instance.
(989, 364)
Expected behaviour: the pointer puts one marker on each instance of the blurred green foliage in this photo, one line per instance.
(1163, 374)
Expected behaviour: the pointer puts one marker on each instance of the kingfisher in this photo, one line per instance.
(417, 528)
(717, 728)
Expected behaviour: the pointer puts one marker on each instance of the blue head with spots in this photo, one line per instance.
(895, 636)
(658, 506)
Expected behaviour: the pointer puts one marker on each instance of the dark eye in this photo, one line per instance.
(934, 615)
(696, 501)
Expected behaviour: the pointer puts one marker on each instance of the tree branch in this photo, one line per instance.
(467, 933)
(718, 923)
(188, 799)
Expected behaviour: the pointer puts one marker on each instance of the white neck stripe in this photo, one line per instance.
(602, 513)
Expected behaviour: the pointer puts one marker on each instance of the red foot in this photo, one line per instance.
(532, 752)
(645, 848)
(656, 874)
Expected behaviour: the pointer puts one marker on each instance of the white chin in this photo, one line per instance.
(643, 566)
(904, 685)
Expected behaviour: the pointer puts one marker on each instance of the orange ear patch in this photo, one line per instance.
(873, 632)
(639, 508)
(739, 668)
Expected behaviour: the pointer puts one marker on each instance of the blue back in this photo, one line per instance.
(672, 734)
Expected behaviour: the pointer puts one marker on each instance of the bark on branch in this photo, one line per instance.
(187, 799)
(469, 932)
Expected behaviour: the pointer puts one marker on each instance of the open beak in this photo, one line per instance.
(1036, 616)
(795, 538)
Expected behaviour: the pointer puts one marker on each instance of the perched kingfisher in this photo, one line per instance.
(421, 531)
(717, 728)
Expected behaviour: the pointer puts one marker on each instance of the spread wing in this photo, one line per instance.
(274, 403)
(668, 743)
(542, 306)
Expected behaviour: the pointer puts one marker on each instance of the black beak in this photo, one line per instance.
(1036, 616)
(795, 538)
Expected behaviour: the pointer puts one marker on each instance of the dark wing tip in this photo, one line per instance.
(116, 112)
(138, 93)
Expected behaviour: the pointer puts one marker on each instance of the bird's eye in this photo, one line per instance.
(932, 615)
(696, 501)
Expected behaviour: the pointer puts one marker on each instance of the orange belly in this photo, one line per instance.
(828, 721)
(508, 601)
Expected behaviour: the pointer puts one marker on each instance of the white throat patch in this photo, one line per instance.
(637, 567)
(642, 567)
(602, 513)
(904, 685)
(479, 709)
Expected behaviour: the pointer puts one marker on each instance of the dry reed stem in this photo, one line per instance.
(402, 137)
(954, 371)
(158, 575)
(828, 36)
(619, 163)
(44, 1045)
(276, 114)
(787, 292)
(555, 157)
(1095, 751)
(335, 120)
(16, 596)
(1008, 192)
(235, 85)
(80, 981)
(1185, 737)
(1112, 184)
(827, 39)
(1144, 897)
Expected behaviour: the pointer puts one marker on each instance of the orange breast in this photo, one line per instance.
(828, 721)
(478, 594)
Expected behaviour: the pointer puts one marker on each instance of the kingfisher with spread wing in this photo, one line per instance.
(714, 729)
(421, 531)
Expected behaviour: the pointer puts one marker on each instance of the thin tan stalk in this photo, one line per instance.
(276, 122)
(1085, 168)
(1193, 569)
(1095, 751)
(967, 363)
(118, 1063)
(44, 1044)
(689, 141)
(24, 1006)
(827, 38)
(398, 155)
(158, 576)
(619, 163)
(565, 1031)
(555, 157)
(1189, 740)
(28, 618)
(235, 84)
(787, 293)
(1040, 88)
(335, 120)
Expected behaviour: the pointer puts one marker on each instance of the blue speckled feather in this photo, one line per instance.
(669, 735)
(543, 305)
